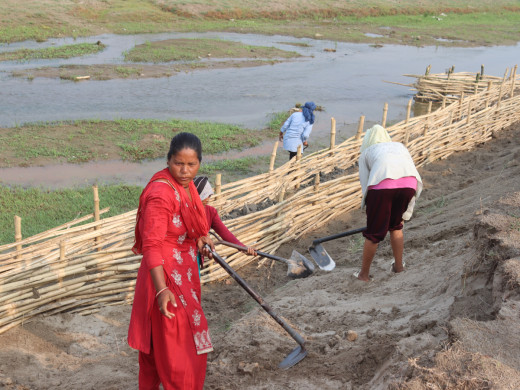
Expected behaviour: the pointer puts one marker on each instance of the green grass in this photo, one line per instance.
(194, 49)
(42, 210)
(65, 51)
(127, 139)
(126, 71)
(234, 166)
(409, 22)
(276, 121)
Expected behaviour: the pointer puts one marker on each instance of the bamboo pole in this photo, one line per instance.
(408, 111)
(18, 234)
(360, 127)
(385, 112)
(332, 133)
(96, 203)
(512, 92)
(218, 185)
(273, 157)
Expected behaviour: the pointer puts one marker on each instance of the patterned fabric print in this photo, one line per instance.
(194, 295)
(193, 254)
(181, 239)
(203, 340)
(189, 273)
(177, 255)
(183, 301)
(196, 318)
(177, 277)
(177, 220)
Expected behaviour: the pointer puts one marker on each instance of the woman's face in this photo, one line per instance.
(184, 166)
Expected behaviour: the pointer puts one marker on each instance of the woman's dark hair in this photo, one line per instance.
(185, 141)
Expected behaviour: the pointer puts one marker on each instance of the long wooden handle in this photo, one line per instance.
(260, 253)
(339, 235)
(295, 335)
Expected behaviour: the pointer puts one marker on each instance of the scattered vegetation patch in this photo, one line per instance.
(65, 51)
(42, 210)
(127, 139)
(194, 49)
(235, 166)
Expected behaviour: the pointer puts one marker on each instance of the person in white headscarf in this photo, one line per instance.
(390, 184)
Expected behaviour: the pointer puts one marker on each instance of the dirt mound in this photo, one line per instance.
(450, 320)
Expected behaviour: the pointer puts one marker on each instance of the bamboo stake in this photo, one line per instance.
(360, 127)
(96, 203)
(408, 111)
(332, 133)
(512, 92)
(273, 157)
(18, 234)
(218, 185)
(385, 112)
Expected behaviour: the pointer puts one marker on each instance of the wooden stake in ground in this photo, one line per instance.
(18, 233)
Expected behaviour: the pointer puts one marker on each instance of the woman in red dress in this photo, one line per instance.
(167, 324)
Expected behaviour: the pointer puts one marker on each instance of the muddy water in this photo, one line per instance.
(347, 83)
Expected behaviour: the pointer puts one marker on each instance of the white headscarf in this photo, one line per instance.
(375, 135)
(203, 187)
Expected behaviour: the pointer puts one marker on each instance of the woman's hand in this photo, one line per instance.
(280, 136)
(163, 299)
(305, 143)
(251, 251)
(201, 245)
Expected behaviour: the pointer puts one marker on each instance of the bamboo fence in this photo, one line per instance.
(83, 268)
(448, 87)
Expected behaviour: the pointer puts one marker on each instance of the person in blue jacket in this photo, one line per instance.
(297, 129)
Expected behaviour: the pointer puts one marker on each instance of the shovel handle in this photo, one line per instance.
(339, 235)
(295, 335)
(260, 253)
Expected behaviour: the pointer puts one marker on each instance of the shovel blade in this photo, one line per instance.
(299, 266)
(322, 258)
(293, 358)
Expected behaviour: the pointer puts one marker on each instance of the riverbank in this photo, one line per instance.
(418, 23)
(450, 319)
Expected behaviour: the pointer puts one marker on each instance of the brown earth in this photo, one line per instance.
(110, 72)
(451, 320)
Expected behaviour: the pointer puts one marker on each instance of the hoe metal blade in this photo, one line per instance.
(322, 258)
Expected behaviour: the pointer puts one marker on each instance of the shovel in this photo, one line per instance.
(298, 266)
(320, 255)
(296, 354)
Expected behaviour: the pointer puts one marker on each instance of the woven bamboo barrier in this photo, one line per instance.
(83, 268)
(448, 87)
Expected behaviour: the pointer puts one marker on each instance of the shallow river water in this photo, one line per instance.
(348, 83)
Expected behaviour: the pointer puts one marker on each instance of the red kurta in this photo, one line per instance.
(165, 241)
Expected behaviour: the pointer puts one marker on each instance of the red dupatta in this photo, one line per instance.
(194, 217)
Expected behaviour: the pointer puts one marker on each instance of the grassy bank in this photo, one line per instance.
(457, 22)
(41, 210)
(194, 49)
(128, 139)
(65, 51)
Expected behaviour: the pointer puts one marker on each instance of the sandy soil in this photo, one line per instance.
(451, 319)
